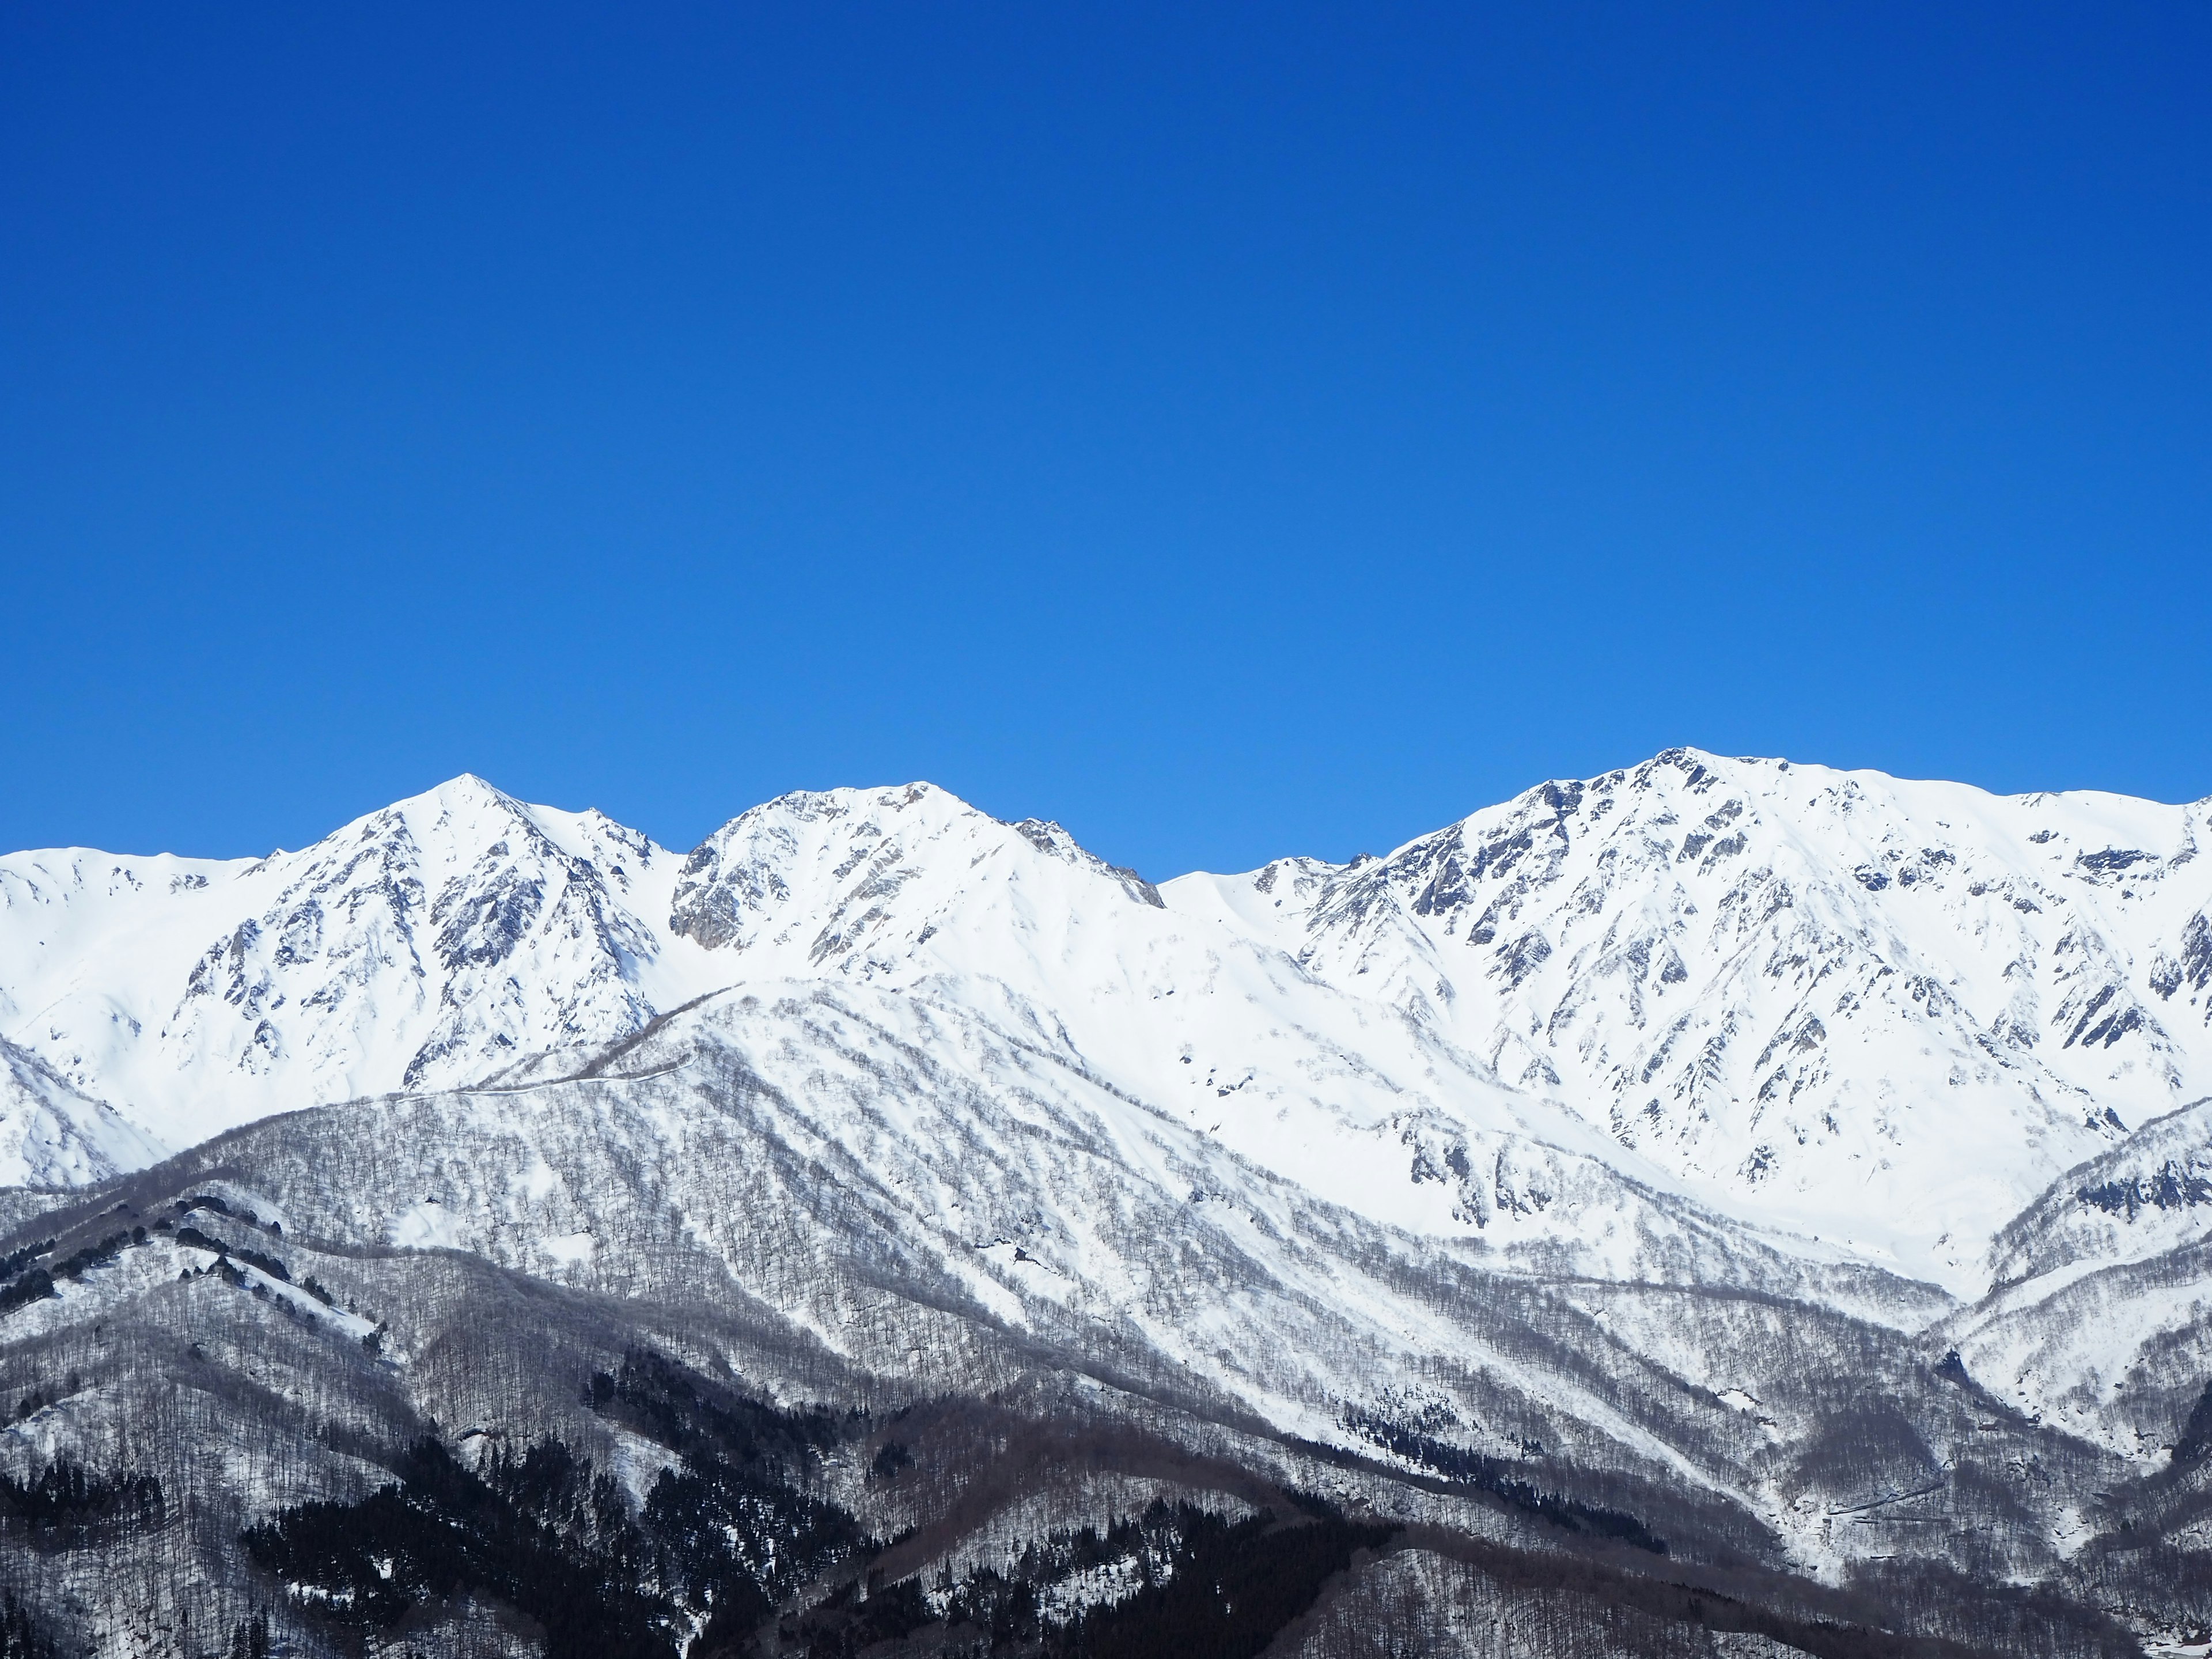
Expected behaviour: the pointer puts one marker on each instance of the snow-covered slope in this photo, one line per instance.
(2146, 1196)
(1868, 1016)
(423, 944)
(53, 1136)
(2101, 1315)
(1885, 1012)
(913, 891)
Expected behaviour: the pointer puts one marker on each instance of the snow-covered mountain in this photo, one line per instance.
(420, 944)
(1885, 1012)
(1782, 1161)
(1878, 1014)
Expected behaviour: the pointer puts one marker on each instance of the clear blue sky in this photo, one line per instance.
(1229, 430)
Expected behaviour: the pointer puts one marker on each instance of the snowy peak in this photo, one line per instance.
(1015, 932)
(1833, 995)
(445, 938)
(459, 926)
(845, 879)
(419, 944)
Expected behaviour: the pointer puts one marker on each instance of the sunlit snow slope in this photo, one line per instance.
(424, 944)
(1884, 1013)
(53, 1136)
(1877, 1010)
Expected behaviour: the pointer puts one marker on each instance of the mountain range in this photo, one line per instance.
(1722, 1206)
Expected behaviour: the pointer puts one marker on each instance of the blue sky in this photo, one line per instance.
(1229, 430)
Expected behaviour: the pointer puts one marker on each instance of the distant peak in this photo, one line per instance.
(454, 806)
(467, 785)
(465, 793)
(814, 804)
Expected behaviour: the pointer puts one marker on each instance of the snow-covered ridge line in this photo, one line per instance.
(1877, 1015)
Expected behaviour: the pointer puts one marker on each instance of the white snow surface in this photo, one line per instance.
(54, 1135)
(1886, 1013)
(1871, 1019)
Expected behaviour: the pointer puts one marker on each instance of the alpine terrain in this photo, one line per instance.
(1723, 1207)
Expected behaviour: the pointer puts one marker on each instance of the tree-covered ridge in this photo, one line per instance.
(724, 1534)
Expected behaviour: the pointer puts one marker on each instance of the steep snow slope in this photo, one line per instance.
(422, 944)
(52, 1135)
(1885, 1012)
(2148, 1194)
(913, 891)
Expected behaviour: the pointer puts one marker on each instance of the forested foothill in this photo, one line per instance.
(231, 1434)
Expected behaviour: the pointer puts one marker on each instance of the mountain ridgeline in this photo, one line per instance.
(1723, 1207)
